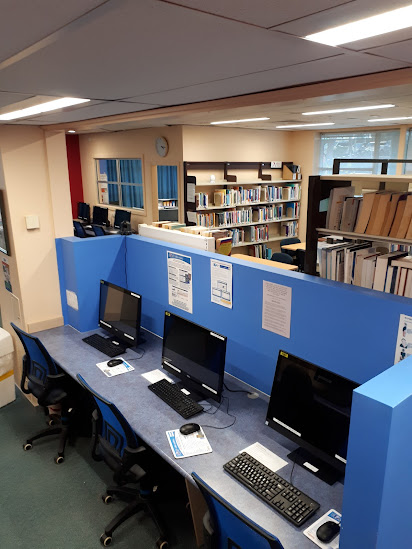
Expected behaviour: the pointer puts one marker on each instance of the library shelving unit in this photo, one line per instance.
(257, 208)
(168, 209)
(319, 190)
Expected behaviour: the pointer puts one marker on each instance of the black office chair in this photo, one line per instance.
(282, 258)
(98, 231)
(116, 443)
(79, 230)
(285, 242)
(46, 381)
(226, 527)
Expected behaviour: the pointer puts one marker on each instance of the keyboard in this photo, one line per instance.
(289, 501)
(173, 396)
(104, 345)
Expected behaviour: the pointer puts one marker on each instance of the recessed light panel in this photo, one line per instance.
(236, 121)
(390, 119)
(307, 125)
(54, 105)
(350, 109)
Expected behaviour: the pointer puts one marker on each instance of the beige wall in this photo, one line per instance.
(131, 144)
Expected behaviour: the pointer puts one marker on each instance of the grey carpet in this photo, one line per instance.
(49, 506)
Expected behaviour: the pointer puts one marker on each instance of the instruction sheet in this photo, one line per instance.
(188, 445)
(221, 283)
(268, 458)
(310, 532)
(404, 339)
(115, 370)
(276, 308)
(179, 274)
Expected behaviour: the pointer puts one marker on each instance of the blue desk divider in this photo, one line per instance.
(350, 331)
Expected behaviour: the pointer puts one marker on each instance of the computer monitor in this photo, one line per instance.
(119, 313)
(120, 216)
(312, 407)
(100, 216)
(83, 211)
(195, 355)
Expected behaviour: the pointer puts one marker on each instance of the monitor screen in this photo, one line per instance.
(312, 407)
(195, 355)
(100, 215)
(120, 216)
(119, 313)
(83, 211)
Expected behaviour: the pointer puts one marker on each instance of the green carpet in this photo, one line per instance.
(49, 506)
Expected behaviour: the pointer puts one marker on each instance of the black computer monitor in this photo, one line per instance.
(120, 216)
(83, 211)
(100, 216)
(312, 407)
(195, 355)
(119, 313)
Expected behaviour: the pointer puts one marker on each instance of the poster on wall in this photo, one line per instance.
(104, 193)
(276, 308)
(6, 274)
(404, 340)
(179, 275)
(221, 283)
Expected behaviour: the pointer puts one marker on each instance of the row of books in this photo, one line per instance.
(268, 213)
(256, 233)
(381, 213)
(289, 228)
(261, 250)
(230, 217)
(238, 196)
(238, 236)
(167, 203)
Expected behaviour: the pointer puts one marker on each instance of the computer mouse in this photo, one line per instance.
(114, 362)
(189, 428)
(327, 531)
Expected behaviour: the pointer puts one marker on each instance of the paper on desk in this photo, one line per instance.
(188, 445)
(115, 370)
(310, 532)
(156, 375)
(265, 456)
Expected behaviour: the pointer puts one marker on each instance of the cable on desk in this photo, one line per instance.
(137, 357)
(291, 473)
(227, 412)
(235, 390)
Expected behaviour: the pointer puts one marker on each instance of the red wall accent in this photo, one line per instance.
(75, 171)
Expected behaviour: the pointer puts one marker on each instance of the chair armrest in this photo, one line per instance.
(24, 376)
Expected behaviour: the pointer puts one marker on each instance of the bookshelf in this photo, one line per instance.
(257, 210)
(168, 209)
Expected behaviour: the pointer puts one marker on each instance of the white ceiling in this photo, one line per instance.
(128, 55)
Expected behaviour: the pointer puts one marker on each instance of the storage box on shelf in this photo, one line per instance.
(255, 210)
(374, 230)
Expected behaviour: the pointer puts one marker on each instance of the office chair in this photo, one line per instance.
(290, 240)
(79, 230)
(116, 443)
(98, 231)
(282, 258)
(47, 383)
(225, 527)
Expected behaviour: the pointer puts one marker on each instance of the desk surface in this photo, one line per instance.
(150, 418)
(294, 247)
(267, 262)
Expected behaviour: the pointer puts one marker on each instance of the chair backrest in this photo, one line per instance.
(37, 364)
(112, 425)
(98, 231)
(231, 529)
(79, 230)
(282, 258)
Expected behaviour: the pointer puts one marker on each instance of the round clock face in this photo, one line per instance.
(162, 146)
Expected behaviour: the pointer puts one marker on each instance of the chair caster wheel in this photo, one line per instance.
(58, 460)
(162, 543)
(107, 499)
(27, 446)
(105, 540)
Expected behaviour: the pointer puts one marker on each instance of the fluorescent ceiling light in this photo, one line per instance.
(351, 109)
(306, 125)
(71, 131)
(387, 119)
(43, 107)
(243, 120)
(365, 28)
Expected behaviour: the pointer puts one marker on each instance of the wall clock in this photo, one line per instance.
(162, 146)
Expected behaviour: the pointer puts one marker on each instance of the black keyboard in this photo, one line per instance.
(284, 498)
(173, 396)
(104, 345)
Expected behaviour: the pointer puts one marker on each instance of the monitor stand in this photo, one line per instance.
(197, 397)
(316, 466)
(125, 345)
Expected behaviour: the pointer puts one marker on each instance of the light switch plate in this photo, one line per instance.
(32, 222)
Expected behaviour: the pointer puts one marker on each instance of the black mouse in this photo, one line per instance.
(327, 531)
(189, 428)
(114, 362)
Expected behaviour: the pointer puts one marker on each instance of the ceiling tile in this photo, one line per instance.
(263, 13)
(25, 23)
(7, 98)
(401, 51)
(157, 46)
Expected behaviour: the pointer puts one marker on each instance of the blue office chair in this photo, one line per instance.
(98, 230)
(282, 258)
(290, 240)
(116, 443)
(43, 378)
(224, 527)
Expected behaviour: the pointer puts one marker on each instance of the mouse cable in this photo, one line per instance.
(291, 473)
(235, 390)
(136, 357)
(227, 412)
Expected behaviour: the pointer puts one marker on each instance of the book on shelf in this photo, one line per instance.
(224, 245)
(202, 200)
(406, 218)
(390, 214)
(364, 212)
(382, 264)
(376, 220)
(400, 210)
(335, 208)
(291, 171)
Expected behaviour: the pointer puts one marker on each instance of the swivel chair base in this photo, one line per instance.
(137, 504)
(53, 429)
